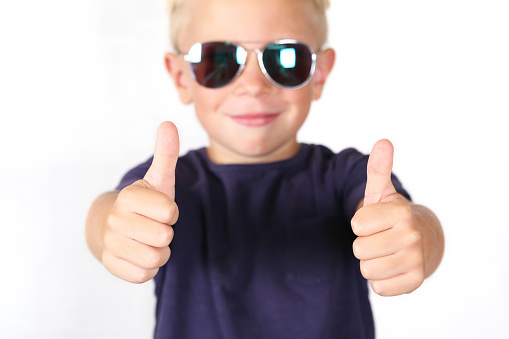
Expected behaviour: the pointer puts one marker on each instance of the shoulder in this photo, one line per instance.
(134, 174)
(345, 161)
(192, 167)
(343, 170)
(188, 166)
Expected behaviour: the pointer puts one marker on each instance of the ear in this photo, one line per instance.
(175, 67)
(324, 65)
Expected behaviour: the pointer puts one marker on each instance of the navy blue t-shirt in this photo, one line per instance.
(265, 250)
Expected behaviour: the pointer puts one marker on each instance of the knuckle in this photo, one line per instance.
(106, 259)
(166, 236)
(113, 229)
(168, 211)
(413, 238)
(152, 261)
(419, 276)
(124, 201)
(355, 227)
(156, 258)
(357, 249)
(357, 222)
(109, 240)
(385, 288)
(113, 221)
(378, 288)
(405, 212)
(123, 195)
(127, 196)
(175, 214)
(144, 275)
(167, 256)
(415, 280)
(366, 270)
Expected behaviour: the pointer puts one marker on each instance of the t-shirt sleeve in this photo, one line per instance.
(134, 174)
(353, 183)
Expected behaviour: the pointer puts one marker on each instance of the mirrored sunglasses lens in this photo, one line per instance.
(288, 64)
(214, 64)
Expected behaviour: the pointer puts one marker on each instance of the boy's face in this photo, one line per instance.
(250, 120)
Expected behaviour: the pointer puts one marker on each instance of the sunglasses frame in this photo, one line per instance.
(259, 54)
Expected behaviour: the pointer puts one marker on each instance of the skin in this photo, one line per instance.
(130, 231)
(251, 93)
(398, 244)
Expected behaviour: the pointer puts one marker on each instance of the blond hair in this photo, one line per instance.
(177, 19)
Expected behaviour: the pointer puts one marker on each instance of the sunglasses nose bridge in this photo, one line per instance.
(256, 53)
(250, 51)
(252, 78)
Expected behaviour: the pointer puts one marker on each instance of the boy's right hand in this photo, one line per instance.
(138, 229)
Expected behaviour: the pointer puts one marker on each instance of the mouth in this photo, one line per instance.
(254, 119)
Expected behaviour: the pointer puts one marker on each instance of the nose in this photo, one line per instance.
(252, 81)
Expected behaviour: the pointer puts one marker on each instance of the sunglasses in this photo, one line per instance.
(285, 63)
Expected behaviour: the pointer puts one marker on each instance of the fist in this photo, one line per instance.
(389, 244)
(138, 229)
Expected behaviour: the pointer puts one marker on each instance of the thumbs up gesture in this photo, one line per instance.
(138, 228)
(389, 244)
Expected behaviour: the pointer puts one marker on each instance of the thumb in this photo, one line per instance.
(379, 184)
(161, 174)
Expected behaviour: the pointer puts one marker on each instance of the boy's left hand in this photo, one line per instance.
(389, 244)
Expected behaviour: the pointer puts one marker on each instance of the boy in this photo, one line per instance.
(263, 227)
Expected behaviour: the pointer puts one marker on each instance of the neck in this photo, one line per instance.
(223, 156)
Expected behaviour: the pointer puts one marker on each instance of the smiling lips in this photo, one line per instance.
(255, 119)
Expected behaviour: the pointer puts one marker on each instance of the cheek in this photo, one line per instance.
(301, 99)
(207, 102)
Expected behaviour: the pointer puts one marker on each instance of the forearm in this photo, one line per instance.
(96, 219)
(432, 237)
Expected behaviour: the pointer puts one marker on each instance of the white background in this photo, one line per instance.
(83, 89)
